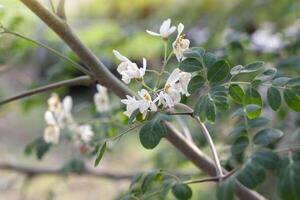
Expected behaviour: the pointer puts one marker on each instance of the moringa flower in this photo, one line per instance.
(101, 99)
(131, 105)
(183, 82)
(61, 110)
(180, 44)
(165, 29)
(64, 116)
(128, 69)
(85, 132)
(146, 103)
(52, 131)
(176, 83)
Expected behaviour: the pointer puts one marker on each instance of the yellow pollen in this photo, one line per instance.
(167, 87)
(147, 97)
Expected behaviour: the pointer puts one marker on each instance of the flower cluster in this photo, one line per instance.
(175, 86)
(59, 116)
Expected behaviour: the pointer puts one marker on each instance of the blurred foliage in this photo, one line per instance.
(224, 28)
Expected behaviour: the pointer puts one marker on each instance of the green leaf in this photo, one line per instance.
(194, 52)
(219, 96)
(226, 189)
(267, 136)
(39, 147)
(200, 107)
(211, 111)
(236, 70)
(190, 65)
(236, 93)
(294, 83)
(253, 67)
(195, 83)
(267, 75)
(209, 59)
(251, 174)
(100, 153)
(253, 97)
(218, 71)
(281, 81)
(182, 191)
(274, 98)
(149, 179)
(257, 122)
(289, 177)
(252, 110)
(266, 158)
(292, 100)
(152, 132)
(240, 145)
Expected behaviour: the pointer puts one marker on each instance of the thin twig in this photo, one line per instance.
(82, 80)
(208, 138)
(212, 179)
(75, 64)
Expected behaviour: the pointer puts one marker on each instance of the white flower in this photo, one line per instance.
(85, 132)
(52, 131)
(165, 29)
(128, 69)
(54, 103)
(177, 83)
(146, 103)
(183, 81)
(61, 110)
(64, 116)
(266, 41)
(180, 44)
(131, 105)
(101, 99)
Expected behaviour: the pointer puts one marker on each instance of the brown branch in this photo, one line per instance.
(100, 72)
(33, 171)
(103, 76)
(82, 80)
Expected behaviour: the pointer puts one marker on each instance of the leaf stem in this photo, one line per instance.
(208, 138)
(211, 179)
(166, 60)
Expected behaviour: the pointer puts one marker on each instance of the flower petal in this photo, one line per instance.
(67, 104)
(120, 56)
(49, 118)
(152, 33)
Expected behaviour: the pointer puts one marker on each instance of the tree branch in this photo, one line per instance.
(100, 72)
(104, 77)
(30, 171)
(82, 80)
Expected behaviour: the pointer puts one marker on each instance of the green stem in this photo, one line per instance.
(166, 59)
(78, 66)
(124, 132)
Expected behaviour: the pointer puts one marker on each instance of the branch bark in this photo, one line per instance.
(29, 171)
(104, 77)
(82, 80)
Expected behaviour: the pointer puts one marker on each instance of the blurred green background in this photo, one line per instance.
(241, 31)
